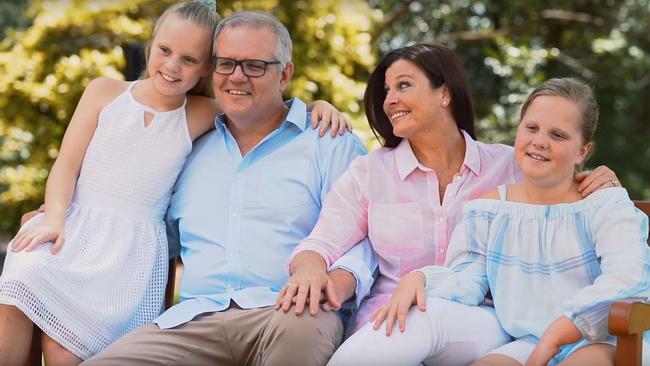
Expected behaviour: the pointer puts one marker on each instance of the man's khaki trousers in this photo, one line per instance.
(231, 337)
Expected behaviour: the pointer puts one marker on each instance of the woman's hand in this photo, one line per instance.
(304, 288)
(409, 291)
(594, 180)
(305, 285)
(328, 115)
(39, 234)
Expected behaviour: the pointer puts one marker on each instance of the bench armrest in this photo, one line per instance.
(628, 319)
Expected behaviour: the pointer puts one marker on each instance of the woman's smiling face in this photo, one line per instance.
(411, 104)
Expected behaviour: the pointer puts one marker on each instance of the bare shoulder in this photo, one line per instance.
(108, 82)
(201, 112)
(97, 94)
(201, 104)
(492, 194)
(104, 89)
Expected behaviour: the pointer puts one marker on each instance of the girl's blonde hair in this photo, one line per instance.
(577, 92)
(204, 17)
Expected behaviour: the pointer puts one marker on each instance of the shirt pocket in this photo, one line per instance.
(285, 185)
(396, 229)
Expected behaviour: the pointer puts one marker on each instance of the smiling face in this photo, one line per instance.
(411, 104)
(243, 98)
(179, 56)
(549, 143)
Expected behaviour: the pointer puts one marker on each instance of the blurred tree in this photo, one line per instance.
(12, 15)
(507, 48)
(332, 49)
(44, 69)
(510, 47)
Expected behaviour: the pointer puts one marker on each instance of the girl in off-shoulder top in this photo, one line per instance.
(554, 261)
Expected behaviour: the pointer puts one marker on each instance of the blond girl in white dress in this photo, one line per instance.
(93, 266)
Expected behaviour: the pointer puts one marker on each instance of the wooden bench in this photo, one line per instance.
(628, 320)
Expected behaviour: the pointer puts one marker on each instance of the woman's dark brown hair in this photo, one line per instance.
(441, 66)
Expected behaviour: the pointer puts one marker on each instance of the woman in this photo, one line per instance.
(407, 197)
(554, 261)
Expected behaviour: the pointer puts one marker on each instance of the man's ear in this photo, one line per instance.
(287, 73)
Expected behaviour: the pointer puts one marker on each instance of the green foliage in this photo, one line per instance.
(510, 47)
(52, 49)
(44, 69)
(332, 50)
(12, 15)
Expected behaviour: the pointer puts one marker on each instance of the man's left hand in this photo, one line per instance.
(343, 285)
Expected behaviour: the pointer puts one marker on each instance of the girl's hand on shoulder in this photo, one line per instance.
(328, 115)
(409, 291)
(39, 234)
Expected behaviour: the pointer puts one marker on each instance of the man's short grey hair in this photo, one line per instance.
(256, 20)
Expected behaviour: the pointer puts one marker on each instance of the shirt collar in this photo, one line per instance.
(297, 115)
(405, 159)
(407, 162)
(472, 156)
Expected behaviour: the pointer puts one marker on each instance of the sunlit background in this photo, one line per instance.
(50, 50)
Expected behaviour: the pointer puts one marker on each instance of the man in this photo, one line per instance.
(250, 191)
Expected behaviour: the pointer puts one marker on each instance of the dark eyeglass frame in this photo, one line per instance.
(242, 65)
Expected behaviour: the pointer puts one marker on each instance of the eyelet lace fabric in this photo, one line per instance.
(110, 275)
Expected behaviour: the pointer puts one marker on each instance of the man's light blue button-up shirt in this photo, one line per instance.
(238, 218)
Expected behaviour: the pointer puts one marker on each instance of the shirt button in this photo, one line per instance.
(441, 219)
(238, 175)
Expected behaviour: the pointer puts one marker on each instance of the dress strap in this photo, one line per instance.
(131, 85)
(182, 107)
(503, 192)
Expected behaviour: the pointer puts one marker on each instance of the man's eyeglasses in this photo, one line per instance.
(251, 68)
